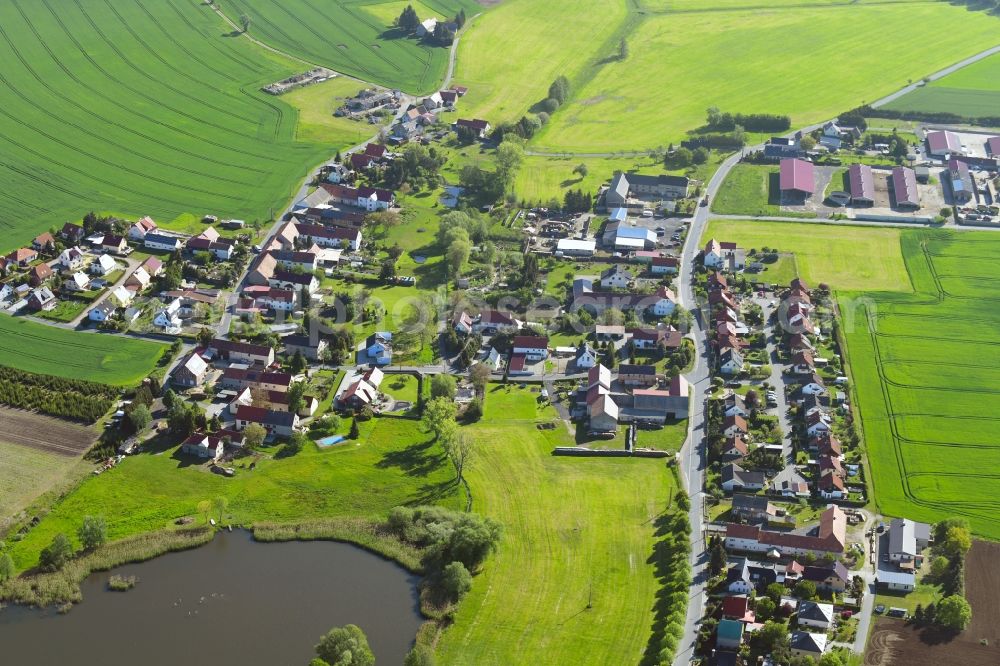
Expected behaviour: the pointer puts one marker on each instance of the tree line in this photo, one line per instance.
(72, 399)
(925, 116)
(720, 121)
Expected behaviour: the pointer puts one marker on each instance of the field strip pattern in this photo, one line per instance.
(138, 107)
(925, 368)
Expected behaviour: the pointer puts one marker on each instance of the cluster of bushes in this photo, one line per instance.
(454, 545)
(754, 122)
(66, 398)
(719, 141)
(578, 201)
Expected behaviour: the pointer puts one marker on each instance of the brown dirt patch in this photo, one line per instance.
(44, 433)
(894, 643)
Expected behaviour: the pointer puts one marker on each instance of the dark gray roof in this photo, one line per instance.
(662, 179)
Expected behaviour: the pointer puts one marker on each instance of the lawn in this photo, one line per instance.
(316, 104)
(846, 258)
(972, 91)
(750, 189)
(924, 368)
(55, 351)
(392, 463)
(542, 178)
(680, 64)
(510, 55)
(142, 108)
(26, 473)
(354, 37)
(578, 533)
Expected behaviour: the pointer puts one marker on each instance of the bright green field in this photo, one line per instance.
(924, 367)
(572, 527)
(140, 107)
(392, 464)
(842, 256)
(509, 55)
(316, 104)
(353, 36)
(718, 5)
(680, 64)
(56, 351)
(972, 91)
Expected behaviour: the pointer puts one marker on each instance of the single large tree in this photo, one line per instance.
(345, 646)
(439, 416)
(954, 613)
(461, 449)
(55, 555)
(93, 532)
(254, 435)
(6, 567)
(443, 386)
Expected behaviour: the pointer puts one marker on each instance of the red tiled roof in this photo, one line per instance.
(531, 342)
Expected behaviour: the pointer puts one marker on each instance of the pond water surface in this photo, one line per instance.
(232, 601)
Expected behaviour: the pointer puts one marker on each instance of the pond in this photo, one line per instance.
(233, 601)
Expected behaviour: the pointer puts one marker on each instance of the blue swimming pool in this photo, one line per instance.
(330, 441)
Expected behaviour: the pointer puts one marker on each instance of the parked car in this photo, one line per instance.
(879, 609)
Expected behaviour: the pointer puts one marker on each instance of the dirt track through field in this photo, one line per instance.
(44, 433)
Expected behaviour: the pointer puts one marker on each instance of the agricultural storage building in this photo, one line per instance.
(797, 178)
(941, 143)
(904, 188)
(862, 185)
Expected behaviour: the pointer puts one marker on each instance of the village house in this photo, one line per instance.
(42, 300)
(491, 322)
(241, 352)
(815, 615)
(737, 607)
(77, 282)
(533, 347)
(664, 265)
(616, 277)
(202, 445)
(269, 298)
(637, 375)
(663, 337)
(806, 644)
(303, 344)
(324, 236)
(44, 242)
(734, 449)
(378, 347)
(363, 391)
(101, 312)
(103, 265)
(152, 266)
(729, 634)
(291, 260)
(462, 323)
(277, 424)
(753, 508)
(282, 279)
(665, 302)
(833, 578)
(138, 280)
(730, 361)
(235, 378)
(736, 478)
(210, 241)
(38, 274)
(155, 241)
(790, 483)
(71, 258)
(586, 357)
(113, 244)
(480, 127)
(72, 233)
(167, 318)
(23, 256)
(723, 255)
(191, 371)
(141, 228)
(906, 541)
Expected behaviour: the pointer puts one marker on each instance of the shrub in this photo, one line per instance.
(456, 581)
(56, 554)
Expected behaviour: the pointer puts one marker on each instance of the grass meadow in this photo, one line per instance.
(55, 351)
(924, 367)
(26, 473)
(846, 258)
(681, 63)
(578, 531)
(353, 36)
(392, 463)
(509, 55)
(316, 104)
(138, 107)
(972, 91)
